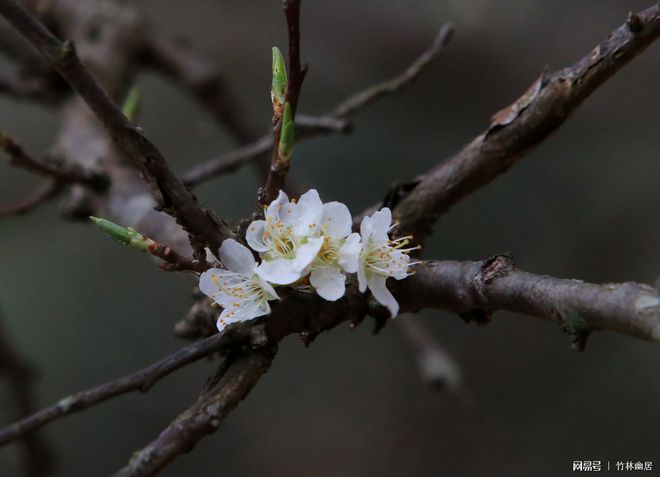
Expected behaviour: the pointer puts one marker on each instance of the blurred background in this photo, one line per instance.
(584, 205)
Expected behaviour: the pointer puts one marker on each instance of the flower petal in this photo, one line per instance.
(279, 271)
(213, 283)
(275, 206)
(309, 212)
(310, 201)
(255, 236)
(242, 311)
(362, 276)
(366, 230)
(251, 309)
(287, 213)
(349, 253)
(382, 294)
(306, 253)
(382, 221)
(337, 220)
(236, 257)
(207, 285)
(268, 288)
(329, 283)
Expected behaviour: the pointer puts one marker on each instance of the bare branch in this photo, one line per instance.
(61, 175)
(234, 382)
(296, 71)
(169, 192)
(516, 130)
(28, 88)
(336, 121)
(37, 456)
(306, 126)
(279, 166)
(141, 381)
(183, 64)
(174, 262)
(474, 290)
(352, 105)
(227, 162)
(42, 194)
(477, 289)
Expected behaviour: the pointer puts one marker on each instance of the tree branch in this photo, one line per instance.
(306, 126)
(516, 130)
(61, 175)
(37, 456)
(42, 194)
(180, 62)
(354, 104)
(28, 88)
(141, 381)
(336, 121)
(475, 290)
(234, 382)
(279, 166)
(171, 196)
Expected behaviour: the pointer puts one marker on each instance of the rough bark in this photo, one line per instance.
(519, 128)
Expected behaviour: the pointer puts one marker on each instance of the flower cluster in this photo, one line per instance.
(306, 243)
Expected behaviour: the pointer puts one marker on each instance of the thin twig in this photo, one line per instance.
(141, 381)
(306, 126)
(179, 61)
(354, 104)
(279, 166)
(233, 383)
(36, 89)
(336, 121)
(296, 71)
(42, 194)
(175, 262)
(61, 175)
(203, 227)
(38, 458)
(227, 162)
(516, 130)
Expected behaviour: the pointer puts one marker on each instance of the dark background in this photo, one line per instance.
(584, 205)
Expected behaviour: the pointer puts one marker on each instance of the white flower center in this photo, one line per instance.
(280, 238)
(328, 255)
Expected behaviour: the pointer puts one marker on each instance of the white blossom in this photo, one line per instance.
(381, 258)
(339, 252)
(285, 239)
(302, 238)
(239, 289)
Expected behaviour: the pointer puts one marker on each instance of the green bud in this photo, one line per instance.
(125, 235)
(285, 147)
(278, 88)
(132, 103)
